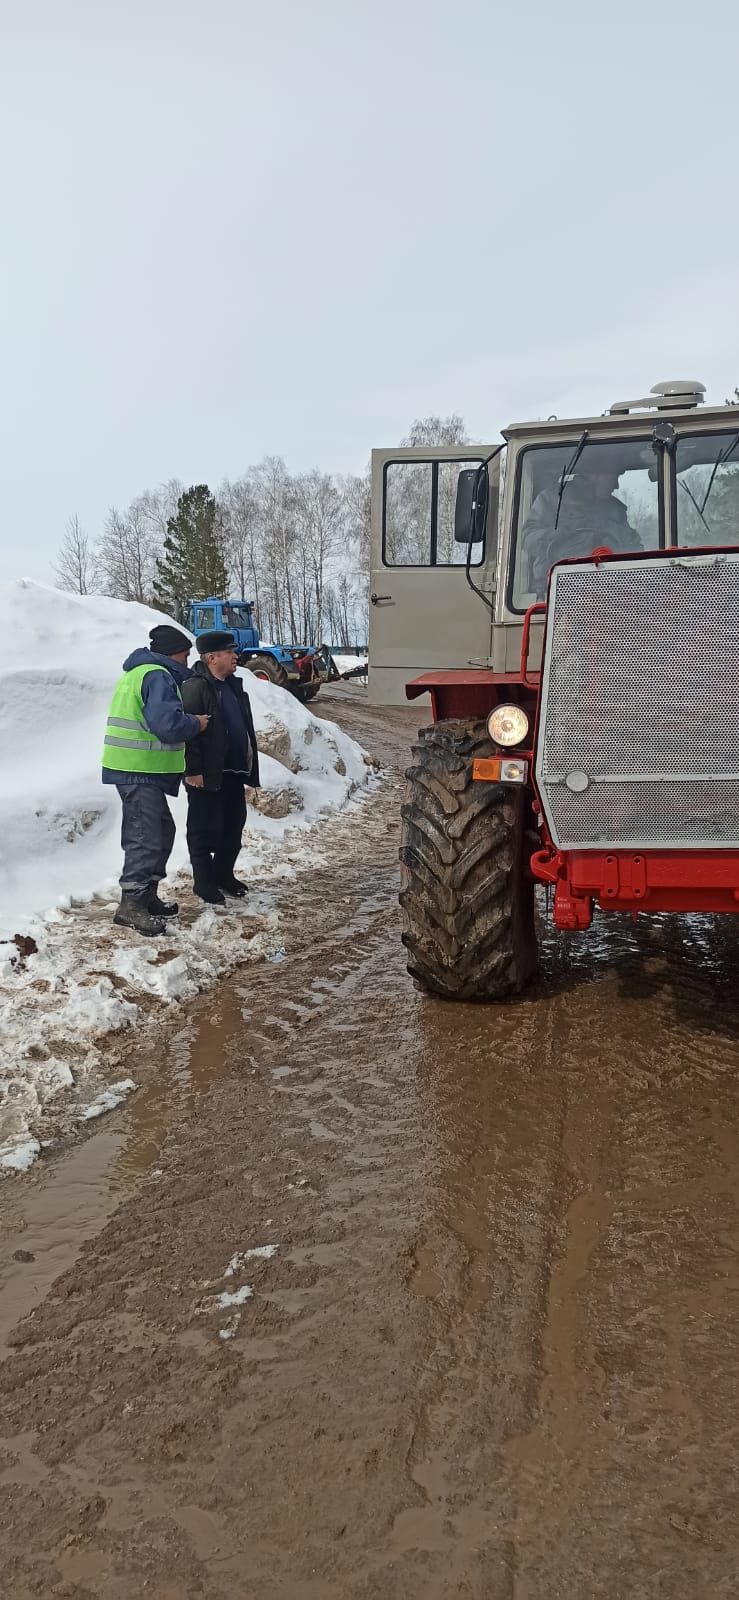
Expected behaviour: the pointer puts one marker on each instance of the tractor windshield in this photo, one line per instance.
(568, 507)
(237, 616)
(707, 477)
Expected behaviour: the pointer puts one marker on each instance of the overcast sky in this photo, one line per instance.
(234, 229)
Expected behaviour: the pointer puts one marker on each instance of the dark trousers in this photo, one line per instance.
(215, 823)
(147, 837)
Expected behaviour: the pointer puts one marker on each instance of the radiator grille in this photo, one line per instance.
(640, 704)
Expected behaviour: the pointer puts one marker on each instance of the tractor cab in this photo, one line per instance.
(575, 623)
(231, 616)
(463, 539)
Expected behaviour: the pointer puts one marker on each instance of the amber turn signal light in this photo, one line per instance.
(496, 769)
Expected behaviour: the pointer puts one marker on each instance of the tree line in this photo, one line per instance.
(297, 544)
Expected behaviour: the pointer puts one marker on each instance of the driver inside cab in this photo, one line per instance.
(590, 515)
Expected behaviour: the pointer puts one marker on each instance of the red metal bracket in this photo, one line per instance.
(572, 912)
(547, 865)
(623, 875)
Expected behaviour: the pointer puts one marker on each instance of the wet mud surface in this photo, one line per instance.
(365, 1295)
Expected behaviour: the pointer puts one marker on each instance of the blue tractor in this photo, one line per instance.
(300, 668)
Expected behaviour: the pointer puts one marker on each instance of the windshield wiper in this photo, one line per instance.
(720, 459)
(688, 491)
(567, 472)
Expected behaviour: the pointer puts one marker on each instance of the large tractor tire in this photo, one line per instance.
(466, 893)
(269, 670)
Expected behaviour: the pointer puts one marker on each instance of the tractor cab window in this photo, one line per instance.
(205, 617)
(572, 499)
(237, 616)
(707, 489)
(418, 514)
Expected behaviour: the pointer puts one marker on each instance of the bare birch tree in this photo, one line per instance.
(75, 565)
(318, 520)
(277, 600)
(132, 541)
(242, 527)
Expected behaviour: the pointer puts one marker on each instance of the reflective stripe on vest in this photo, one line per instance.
(147, 743)
(143, 752)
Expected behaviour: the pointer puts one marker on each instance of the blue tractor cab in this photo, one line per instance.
(236, 616)
(299, 668)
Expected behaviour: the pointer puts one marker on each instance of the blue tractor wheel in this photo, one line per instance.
(269, 670)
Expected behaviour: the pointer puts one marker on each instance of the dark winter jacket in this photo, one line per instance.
(207, 755)
(584, 522)
(164, 715)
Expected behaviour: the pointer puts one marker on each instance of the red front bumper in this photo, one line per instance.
(642, 880)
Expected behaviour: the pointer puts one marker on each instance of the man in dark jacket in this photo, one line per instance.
(587, 514)
(219, 764)
(144, 756)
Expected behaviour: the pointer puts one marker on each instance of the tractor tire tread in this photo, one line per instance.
(273, 670)
(468, 908)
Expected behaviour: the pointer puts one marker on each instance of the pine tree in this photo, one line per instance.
(192, 564)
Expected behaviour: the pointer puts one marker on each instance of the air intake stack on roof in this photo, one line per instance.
(663, 397)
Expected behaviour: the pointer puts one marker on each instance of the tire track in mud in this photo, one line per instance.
(508, 1203)
(621, 1424)
(594, 1054)
(469, 1245)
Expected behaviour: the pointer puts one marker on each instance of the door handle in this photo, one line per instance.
(376, 598)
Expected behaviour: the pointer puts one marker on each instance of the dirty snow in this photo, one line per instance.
(345, 663)
(19, 1157)
(230, 1329)
(108, 1099)
(260, 1252)
(237, 1297)
(67, 1005)
(234, 1297)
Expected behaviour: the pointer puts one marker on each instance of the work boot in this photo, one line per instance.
(133, 913)
(209, 893)
(233, 887)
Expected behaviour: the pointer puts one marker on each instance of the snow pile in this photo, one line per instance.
(59, 827)
(345, 663)
(68, 979)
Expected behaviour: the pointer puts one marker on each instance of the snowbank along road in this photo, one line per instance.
(366, 1297)
(72, 987)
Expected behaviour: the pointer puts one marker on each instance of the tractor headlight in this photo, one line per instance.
(508, 725)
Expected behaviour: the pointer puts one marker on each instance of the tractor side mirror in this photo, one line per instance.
(471, 505)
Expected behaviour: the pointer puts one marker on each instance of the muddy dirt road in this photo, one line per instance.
(368, 1296)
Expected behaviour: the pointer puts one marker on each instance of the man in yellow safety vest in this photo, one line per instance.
(144, 756)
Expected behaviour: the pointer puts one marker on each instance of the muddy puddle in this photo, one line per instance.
(53, 1222)
(367, 1297)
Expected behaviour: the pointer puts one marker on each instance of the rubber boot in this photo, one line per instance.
(209, 893)
(203, 880)
(133, 913)
(233, 886)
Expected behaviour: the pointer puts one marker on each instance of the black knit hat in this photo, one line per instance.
(208, 643)
(168, 641)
